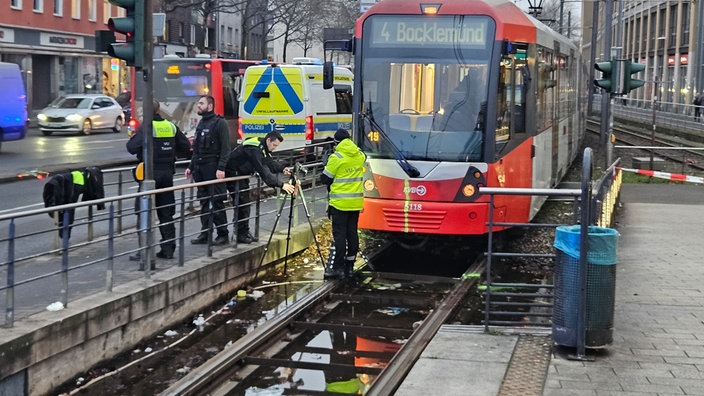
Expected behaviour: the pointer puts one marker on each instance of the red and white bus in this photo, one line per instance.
(179, 83)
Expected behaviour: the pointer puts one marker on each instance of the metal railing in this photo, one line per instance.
(677, 118)
(594, 203)
(91, 254)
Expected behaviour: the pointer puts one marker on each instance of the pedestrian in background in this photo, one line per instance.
(211, 150)
(168, 142)
(254, 155)
(343, 174)
(698, 104)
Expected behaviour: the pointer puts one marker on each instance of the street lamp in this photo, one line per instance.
(655, 98)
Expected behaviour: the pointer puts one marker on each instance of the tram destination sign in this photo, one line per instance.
(421, 31)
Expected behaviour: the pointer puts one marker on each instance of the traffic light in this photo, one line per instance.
(132, 26)
(608, 75)
(630, 83)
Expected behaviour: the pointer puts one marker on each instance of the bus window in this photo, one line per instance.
(179, 86)
(229, 95)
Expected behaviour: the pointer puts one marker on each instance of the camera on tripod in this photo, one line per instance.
(298, 168)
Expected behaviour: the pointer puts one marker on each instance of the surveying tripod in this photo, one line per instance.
(294, 180)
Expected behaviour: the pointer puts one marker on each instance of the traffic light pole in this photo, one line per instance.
(655, 108)
(606, 99)
(146, 228)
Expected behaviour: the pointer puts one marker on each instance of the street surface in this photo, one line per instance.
(61, 151)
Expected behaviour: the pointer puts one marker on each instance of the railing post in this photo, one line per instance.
(490, 239)
(90, 223)
(583, 250)
(57, 240)
(10, 308)
(119, 203)
(109, 276)
(235, 212)
(258, 208)
(66, 227)
(211, 211)
(182, 230)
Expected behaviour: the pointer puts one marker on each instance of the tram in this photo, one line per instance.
(453, 95)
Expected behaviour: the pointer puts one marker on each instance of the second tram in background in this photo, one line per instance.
(453, 95)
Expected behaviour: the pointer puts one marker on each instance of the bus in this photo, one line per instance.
(179, 82)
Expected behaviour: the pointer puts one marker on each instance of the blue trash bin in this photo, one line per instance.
(600, 288)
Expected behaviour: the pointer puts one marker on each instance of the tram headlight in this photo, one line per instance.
(369, 185)
(469, 190)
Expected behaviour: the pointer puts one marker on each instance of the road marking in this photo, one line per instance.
(20, 208)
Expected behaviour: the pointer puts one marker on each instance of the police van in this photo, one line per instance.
(13, 103)
(290, 98)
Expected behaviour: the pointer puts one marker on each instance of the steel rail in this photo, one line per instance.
(211, 373)
(399, 367)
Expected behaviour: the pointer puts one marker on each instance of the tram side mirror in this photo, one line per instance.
(328, 75)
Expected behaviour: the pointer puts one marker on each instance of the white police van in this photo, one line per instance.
(290, 98)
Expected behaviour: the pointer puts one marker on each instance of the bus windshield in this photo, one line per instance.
(178, 81)
(429, 103)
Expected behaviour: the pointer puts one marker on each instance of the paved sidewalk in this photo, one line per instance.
(658, 346)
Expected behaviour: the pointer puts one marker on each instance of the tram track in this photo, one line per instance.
(337, 308)
(694, 159)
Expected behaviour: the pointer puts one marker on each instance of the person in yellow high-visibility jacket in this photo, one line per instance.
(343, 174)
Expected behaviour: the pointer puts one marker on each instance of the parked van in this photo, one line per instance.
(13, 103)
(291, 99)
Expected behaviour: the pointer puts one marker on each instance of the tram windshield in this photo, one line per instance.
(424, 86)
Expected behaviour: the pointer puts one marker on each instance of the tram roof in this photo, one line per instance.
(511, 22)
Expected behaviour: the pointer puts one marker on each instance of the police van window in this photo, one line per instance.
(343, 100)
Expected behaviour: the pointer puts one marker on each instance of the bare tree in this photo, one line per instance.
(555, 14)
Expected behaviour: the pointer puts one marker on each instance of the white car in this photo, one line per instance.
(81, 113)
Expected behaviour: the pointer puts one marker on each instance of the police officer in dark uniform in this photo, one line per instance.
(211, 150)
(254, 155)
(168, 142)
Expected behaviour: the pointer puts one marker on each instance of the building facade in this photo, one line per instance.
(665, 35)
(53, 42)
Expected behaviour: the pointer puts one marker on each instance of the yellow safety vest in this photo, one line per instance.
(346, 171)
(163, 129)
(78, 177)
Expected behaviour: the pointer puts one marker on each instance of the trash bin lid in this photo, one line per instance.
(602, 243)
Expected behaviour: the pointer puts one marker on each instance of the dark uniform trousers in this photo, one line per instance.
(344, 234)
(164, 203)
(165, 209)
(243, 202)
(204, 170)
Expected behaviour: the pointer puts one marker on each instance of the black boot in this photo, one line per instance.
(349, 267)
(332, 270)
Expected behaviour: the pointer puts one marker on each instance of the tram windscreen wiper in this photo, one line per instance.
(410, 170)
